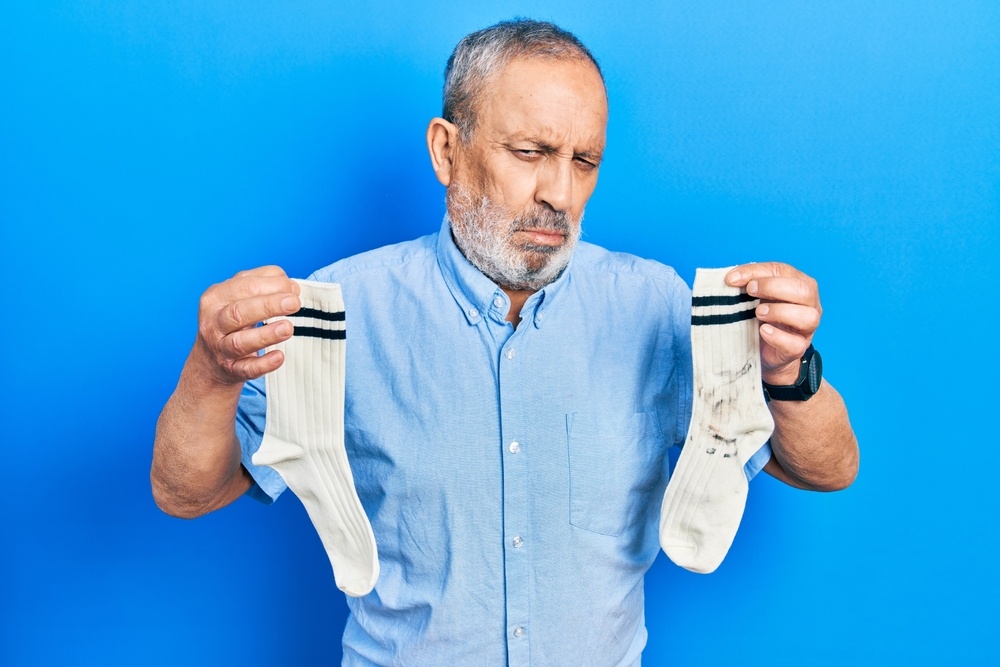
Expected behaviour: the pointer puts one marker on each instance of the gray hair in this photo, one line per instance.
(482, 55)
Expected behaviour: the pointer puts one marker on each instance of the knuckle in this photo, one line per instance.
(235, 346)
(252, 284)
(233, 315)
(803, 291)
(208, 299)
(250, 367)
(238, 369)
(205, 332)
(231, 368)
(773, 268)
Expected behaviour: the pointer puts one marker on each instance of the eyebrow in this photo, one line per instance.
(549, 148)
(590, 155)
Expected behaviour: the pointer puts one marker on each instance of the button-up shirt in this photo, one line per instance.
(513, 477)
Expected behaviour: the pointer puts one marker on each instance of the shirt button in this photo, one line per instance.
(498, 301)
(515, 447)
(517, 541)
(540, 316)
(510, 353)
(473, 312)
(518, 631)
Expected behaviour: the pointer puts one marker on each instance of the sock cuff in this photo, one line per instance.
(713, 302)
(322, 311)
(723, 328)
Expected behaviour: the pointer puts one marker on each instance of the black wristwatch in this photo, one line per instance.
(810, 375)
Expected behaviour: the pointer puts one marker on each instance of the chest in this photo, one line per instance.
(459, 419)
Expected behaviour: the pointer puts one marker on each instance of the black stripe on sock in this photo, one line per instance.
(728, 318)
(316, 332)
(721, 300)
(319, 314)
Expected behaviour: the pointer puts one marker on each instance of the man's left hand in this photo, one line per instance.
(789, 313)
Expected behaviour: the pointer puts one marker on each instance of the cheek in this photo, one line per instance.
(583, 188)
(513, 184)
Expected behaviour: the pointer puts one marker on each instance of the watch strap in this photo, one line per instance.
(807, 384)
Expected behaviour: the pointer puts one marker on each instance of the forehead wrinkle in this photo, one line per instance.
(547, 103)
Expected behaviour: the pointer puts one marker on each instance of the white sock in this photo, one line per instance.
(704, 501)
(304, 435)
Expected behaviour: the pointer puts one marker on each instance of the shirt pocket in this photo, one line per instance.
(614, 466)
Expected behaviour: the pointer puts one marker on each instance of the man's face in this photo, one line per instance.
(520, 185)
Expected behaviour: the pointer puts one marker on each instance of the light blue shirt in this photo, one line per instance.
(513, 478)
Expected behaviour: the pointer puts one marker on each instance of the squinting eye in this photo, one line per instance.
(526, 152)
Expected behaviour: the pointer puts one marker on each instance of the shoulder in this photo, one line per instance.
(595, 264)
(396, 258)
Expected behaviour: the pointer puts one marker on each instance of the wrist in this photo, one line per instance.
(203, 378)
(807, 381)
(783, 375)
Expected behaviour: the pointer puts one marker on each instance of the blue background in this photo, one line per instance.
(150, 149)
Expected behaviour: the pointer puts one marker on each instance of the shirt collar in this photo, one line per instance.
(476, 294)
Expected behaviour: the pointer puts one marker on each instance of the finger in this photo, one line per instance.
(787, 345)
(245, 313)
(253, 367)
(250, 341)
(739, 276)
(803, 320)
(801, 290)
(270, 270)
(258, 285)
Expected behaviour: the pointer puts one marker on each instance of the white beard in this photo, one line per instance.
(484, 231)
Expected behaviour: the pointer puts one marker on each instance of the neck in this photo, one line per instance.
(517, 298)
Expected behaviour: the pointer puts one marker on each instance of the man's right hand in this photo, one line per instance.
(226, 350)
(196, 457)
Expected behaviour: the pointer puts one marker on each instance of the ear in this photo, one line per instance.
(442, 143)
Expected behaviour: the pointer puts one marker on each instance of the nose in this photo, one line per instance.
(554, 186)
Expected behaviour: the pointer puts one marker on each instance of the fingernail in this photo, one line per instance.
(752, 287)
(733, 277)
(763, 310)
(288, 303)
(766, 329)
(284, 328)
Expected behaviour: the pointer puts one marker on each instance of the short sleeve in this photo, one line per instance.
(250, 416)
(758, 460)
(683, 363)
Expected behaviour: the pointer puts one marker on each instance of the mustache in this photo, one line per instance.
(547, 219)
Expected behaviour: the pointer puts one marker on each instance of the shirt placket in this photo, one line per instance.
(517, 537)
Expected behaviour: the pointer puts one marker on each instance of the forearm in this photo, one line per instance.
(813, 443)
(196, 456)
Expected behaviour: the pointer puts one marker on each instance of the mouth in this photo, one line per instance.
(546, 238)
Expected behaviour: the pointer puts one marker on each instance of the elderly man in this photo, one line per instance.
(510, 391)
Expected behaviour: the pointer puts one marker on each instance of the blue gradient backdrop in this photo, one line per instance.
(150, 149)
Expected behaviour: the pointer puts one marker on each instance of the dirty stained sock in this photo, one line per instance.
(704, 500)
(304, 435)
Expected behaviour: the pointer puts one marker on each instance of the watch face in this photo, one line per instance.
(815, 372)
